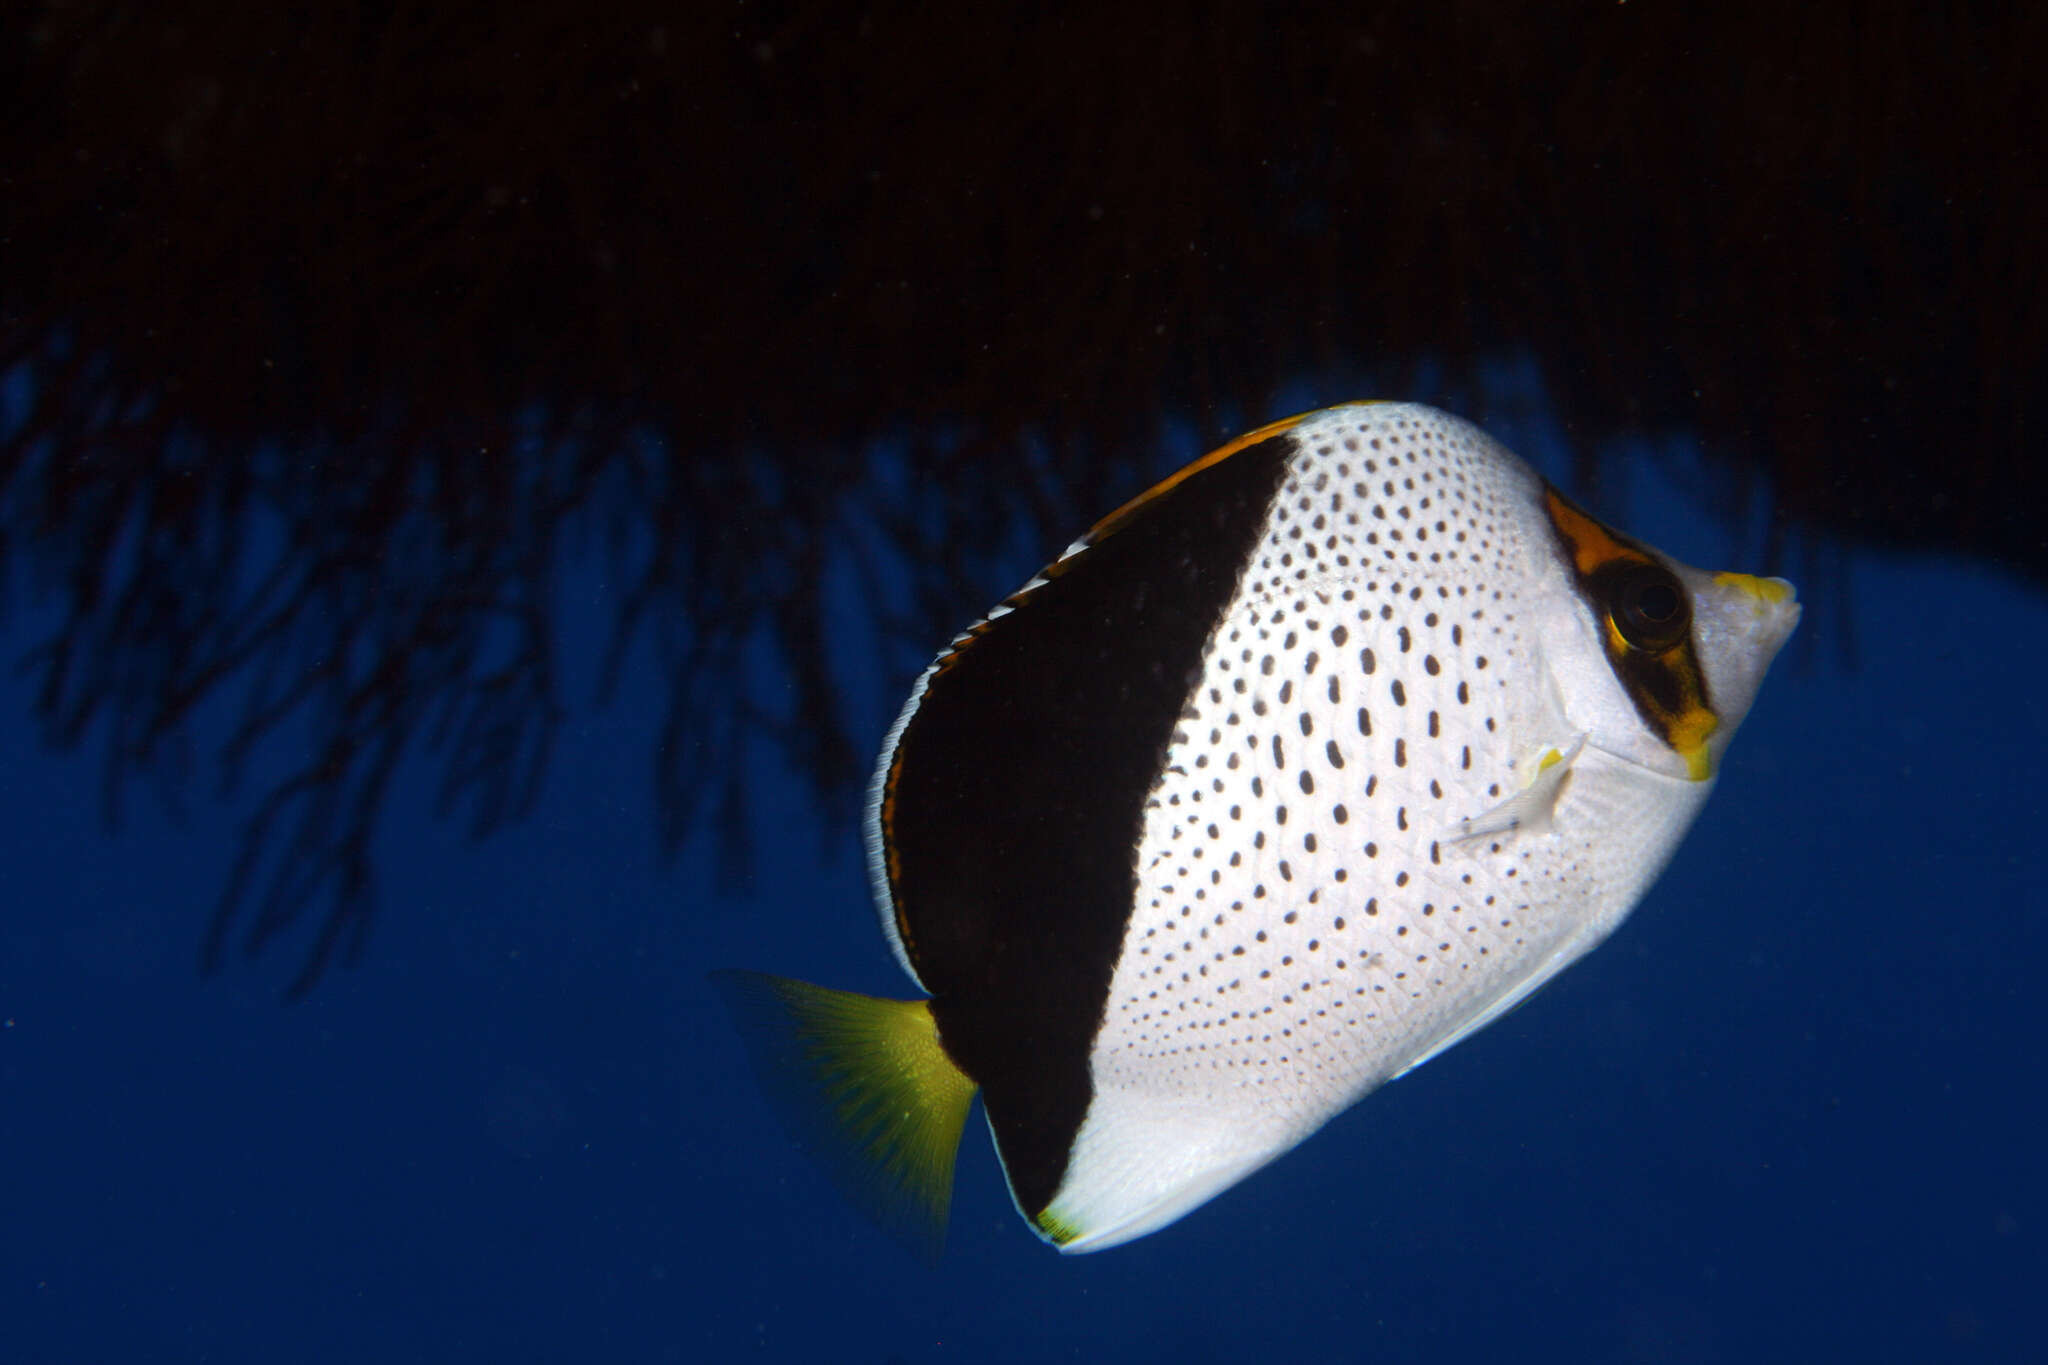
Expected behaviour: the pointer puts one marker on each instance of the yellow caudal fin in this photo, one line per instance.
(865, 1085)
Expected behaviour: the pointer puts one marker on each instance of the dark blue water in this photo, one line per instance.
(1791, 1111)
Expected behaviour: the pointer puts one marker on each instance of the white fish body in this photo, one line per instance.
(1410, 789)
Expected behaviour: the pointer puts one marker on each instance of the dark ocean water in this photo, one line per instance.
(1791, 1111)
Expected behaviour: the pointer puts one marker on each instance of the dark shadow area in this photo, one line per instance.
(322, 336)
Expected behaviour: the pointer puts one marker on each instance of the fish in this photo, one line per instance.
(1293, 772)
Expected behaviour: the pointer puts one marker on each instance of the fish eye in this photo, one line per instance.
(1648, 606)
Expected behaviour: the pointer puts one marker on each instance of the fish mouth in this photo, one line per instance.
(1740, 622)
(1770, 591)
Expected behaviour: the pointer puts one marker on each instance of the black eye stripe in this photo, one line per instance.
(1645, 616)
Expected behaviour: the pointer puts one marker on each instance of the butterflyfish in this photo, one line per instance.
(1289, 774)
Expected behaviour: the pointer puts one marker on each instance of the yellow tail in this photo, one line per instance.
(864, 1083)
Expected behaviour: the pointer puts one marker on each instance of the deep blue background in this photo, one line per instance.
(1791, 1111)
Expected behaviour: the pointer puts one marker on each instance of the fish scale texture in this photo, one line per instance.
(1305, 924)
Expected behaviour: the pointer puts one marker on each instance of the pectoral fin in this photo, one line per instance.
(1529, 810)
